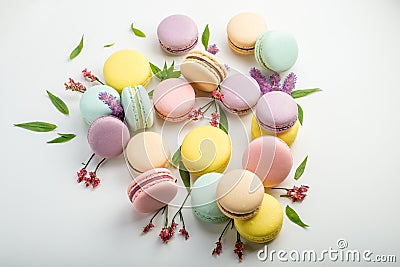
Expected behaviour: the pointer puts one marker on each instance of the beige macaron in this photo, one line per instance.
(239, 194)
(146, 151)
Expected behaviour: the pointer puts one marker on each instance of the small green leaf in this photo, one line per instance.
(300, 114)
(300, 170)
(223, 120)
(185, 175)
(77, 50)
(138, 32)
(37, 126)
(151, 93)
(62, 138)
(58, 103)
(154, 68)
(205, 37)
(177, 157)
(304, 92)
(165, 66)
(109, 45)
(294, 217)
(166, 72)
(174, 74)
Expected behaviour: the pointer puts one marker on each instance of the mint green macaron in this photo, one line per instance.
(204, 198)
(276, 50)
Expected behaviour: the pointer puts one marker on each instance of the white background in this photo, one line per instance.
(350, 49)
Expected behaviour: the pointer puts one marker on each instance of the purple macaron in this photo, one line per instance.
(177, 34)
(241, 93)
(276, 112)
(108, 136)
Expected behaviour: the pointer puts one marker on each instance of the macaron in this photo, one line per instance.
(276, 50)
(138, 108)
(243, 31)
(203, 198)
(265, 225)
(270, 158)
(147, 150)
(91, 105)
(276, 111)
(206, 149)
(127, 68)
(173, 99)
(152, 190)
(177, 34)
(288, 137)
(241, 93)
(239, 194)
(108, 136)
(203, 70)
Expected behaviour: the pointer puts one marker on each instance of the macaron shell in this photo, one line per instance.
(243, 30)
(288, 137)
(206, 149)
(131, 109)
(265, 225)
(270, 158)
(108, 136)
(146, 107)
(127, 68)
(91, 106)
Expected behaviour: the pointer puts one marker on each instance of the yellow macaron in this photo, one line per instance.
(206, 149)
(265, 225)
(127, 68)
(288, 137)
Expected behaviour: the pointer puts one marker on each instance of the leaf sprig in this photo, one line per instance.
(205, 37)
(166, 72)
(77, 50)
(300, 170)
(137, 32)
(58, 103)
(294, 217)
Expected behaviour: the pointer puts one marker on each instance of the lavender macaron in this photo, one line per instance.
(241, 93)
(177, 34)
(276, 112)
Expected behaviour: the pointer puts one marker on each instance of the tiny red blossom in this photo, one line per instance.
(297, 193)
(88, 75)
(239, 248)
(166, 234)
(218, 249)
(217, 94)
(184, 233)
(74, 86)
(148, 227)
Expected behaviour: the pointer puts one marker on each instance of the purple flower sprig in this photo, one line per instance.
(113, 103)
(212, 49)
(274, 82)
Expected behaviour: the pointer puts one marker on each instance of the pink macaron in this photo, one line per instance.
(152, 190)
(241, 93)
(276, 112)
(173, 99)
(270, 158)
(177, 34)
(108, 136)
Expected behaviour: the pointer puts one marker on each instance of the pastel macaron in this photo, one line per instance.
(127, 68)
(270, 158)
(152, 190)
(138, 108)
(241, 93)
(91, 104)
(203, 198)
(173, 99)
(203, 70)
(288, 137)
(276, 111)
(276, 50)
(147, 150)
(265, 225)
(177, 34)
(206, 149)
(243, 31)
(239, 194)
(108, 136)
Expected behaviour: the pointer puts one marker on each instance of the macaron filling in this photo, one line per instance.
(237, 215)
(148, 181)
(240, 48)
(276, 128)
(176, 118)
(235, 110)
(221, 77)
(179, 50)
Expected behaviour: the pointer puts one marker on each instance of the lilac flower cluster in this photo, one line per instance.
(274, 82)
(113, 103)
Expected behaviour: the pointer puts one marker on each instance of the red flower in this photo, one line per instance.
(166, 234)
(174, 225)
(195, 115)
(218, 249)
(297, 193)
(217, 94)
(81, 175)
(148, 227)
(184, 233)
(88, 75)
(239, 248)
(214, 119)
(74, 86)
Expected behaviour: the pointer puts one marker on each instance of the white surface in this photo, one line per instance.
(350, 49)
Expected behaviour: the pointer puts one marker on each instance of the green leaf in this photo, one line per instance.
(138, 32)
(175, 74)
(77, 50)
(185, 175)
(62, 138)
(151, 93)
(223, 120)
(294, 217)
(304, 92)
(109, 45)
(154, 68)
(37, 126)
(165, 66)
(205, 37)
(177, 157)
(300, 114)
(166, 72)
(58, 103)
(300, 170)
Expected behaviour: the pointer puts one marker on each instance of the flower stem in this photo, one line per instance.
(98, 165)
(225, 228)
(90, 159)
(180, 209)
(166, 216)
(280, 188)
(208, 106)
(155, 214)
(98, 80)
